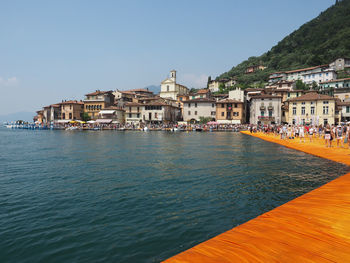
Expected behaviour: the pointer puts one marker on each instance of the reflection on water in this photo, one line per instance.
(138, 197)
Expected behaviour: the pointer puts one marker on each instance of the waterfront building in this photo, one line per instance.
(113, 113)
(229, 111)
(39, 118)
(133, 112)
(340, 64)
(160, 112)
(96, 101)
(170, 89)
(265, 109)
(72, 110)
(196, 108)
(51, 113)
(313, 108)
(345, 110)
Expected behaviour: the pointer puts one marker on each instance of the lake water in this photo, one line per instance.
(138, 197)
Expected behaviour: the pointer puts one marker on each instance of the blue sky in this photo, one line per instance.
(54, 50)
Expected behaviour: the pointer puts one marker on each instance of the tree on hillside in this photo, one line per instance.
(301, 85)
(209, 80)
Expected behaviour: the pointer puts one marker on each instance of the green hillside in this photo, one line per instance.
(317, 42)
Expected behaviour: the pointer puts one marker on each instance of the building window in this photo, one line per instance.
(212, 105)
(189, 113)
(222, 105)
(294, 110)
(138, 115)
(262, 113)
(167, 88)
(222, 114)
(302, 110)
(294, 103)
(270, 113)
(195, 105)
(213, 113)
(235, 105)
(347, 109)
(130, 115)
(195, 113)
(303, 103)
(312, 111)
(325, 110)
(189, 105)
(63, 116)
(325, 102)
(70, 115)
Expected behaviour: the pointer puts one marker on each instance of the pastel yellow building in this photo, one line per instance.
(312, 108)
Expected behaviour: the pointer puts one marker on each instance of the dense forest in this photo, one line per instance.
(317, 42)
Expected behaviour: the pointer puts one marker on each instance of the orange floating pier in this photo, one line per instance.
(312, 228)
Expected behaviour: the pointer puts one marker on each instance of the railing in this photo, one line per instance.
(266, 118)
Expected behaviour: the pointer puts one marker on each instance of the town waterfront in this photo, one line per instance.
(139, 196)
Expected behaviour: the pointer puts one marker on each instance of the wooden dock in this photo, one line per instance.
(312, 228)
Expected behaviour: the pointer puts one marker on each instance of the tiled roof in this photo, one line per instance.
(72, 102)
(139, 90)
(203, 91)
(265, 96)
(200, 100)
(305, 69)
(312, 96)
(335, 80)
(228, 101)
(97, 92)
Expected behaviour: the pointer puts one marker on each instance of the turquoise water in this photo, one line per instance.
(135, 196)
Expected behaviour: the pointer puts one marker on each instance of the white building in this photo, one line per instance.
(345, 110)
(236, 94)
(170, 89)
(265, 109)
(196, 108)
(319, 76)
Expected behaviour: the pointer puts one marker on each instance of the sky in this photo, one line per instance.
(58, 50)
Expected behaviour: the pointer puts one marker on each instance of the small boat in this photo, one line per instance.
(145, 129)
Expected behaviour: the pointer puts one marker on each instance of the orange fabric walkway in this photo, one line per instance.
(312, 228)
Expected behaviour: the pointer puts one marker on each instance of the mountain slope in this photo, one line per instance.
(318, 41)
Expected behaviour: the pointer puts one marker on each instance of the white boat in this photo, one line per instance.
(145, 129)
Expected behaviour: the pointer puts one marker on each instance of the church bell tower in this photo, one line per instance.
(173, 75)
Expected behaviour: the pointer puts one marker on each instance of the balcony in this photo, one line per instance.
(266, 118)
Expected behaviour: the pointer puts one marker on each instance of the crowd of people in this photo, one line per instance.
(329, 133)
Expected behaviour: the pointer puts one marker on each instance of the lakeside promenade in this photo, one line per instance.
(312, 228)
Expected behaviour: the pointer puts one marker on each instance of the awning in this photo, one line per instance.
(62, 121)
(107, 112)
(212, 123)
(104, 121)
(90, 121)
(115, 122)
